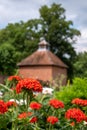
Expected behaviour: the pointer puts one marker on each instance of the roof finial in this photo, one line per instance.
(43, 45)
(42, 39)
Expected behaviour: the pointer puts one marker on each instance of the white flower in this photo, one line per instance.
(85, 123)
(22, 102)
(47, 90)
(14, 100)
(1, 94)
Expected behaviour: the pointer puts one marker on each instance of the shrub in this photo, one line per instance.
(77, 90)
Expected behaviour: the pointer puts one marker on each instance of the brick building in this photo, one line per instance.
(43, 65)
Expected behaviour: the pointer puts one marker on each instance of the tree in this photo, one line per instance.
(59, 33)
(7, 59)
(80, 65)
(53, 26)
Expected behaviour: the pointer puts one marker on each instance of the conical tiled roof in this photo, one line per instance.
(42, 57)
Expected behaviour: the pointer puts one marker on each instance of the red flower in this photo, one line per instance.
(33, 120)
(3, 107)
(29, 84)
(86, 119)
(11, 103)
(35, 105)
(75, 113)
(56, 103)
(52, 119)
(24, 115)
(72, 123)
(79, 101)
(15, 77)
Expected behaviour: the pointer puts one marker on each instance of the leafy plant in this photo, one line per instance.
(38, 111)
(76, 90)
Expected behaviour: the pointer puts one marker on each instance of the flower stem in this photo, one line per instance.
(13, 126)
(27, 99)
(6, 87)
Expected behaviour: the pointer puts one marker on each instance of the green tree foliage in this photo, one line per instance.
(52, 25)
(80, 65)
(7, 59)
(16, 35)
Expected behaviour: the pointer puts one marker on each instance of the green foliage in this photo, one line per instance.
(7, 59)
(44, 106)
(53, 25)
(80, 65)
(77, 90)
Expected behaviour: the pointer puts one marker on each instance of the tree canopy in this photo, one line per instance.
(52, 25)
(80, 65)
(7, 59)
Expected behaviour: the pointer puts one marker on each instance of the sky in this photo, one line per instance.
(12, 11)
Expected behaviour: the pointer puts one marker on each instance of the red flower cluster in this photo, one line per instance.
(3, 107)
(24, 115)
(29, 84)
(35, 105)
(56, 103)
(79, 101)
(11, 103)
(52, 119)
(15, 77)
(33, 120)
(75, 113)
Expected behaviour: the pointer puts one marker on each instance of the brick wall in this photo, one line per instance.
(38, 72)
(60, 74)
(45, 73)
